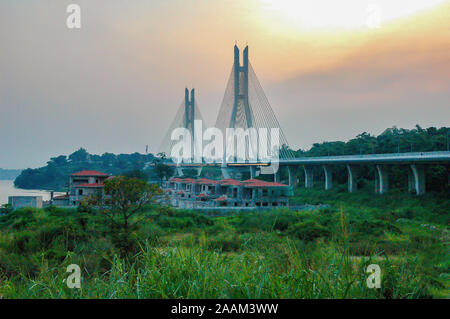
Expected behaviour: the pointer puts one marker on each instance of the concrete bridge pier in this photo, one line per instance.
(411, 188)
(381, 179)
(276, 176)
(328, 177)
(275, 171)
(309, 176)
(292, 174)
(448, 175)
(225, 172)
(180, 171)
(352, 187)
(254, 171)
(418, 172)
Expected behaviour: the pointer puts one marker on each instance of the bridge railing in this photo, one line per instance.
(441, 156)
(395, 157)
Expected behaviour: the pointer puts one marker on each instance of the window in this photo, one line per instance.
(80, 192)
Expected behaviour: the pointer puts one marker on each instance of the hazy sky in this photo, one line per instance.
(115, 84)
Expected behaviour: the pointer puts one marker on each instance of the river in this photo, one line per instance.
(7, 189)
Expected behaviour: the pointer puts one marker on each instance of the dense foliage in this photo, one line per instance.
(392, 140)
(55, 175)
(316, 253)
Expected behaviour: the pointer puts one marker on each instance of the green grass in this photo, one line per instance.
(274, 254)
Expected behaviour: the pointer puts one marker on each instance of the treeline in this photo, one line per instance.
(392, 140)
(55, 174)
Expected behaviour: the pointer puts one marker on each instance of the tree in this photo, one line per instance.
(79, 156)
(123, 198)
(59, 160)
(108, 159)
(163, 170)
(5, 209)
(136, 173)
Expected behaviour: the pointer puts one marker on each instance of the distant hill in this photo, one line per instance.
(55, 175)
(9, 174)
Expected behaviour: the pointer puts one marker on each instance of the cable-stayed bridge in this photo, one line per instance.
(246, 107)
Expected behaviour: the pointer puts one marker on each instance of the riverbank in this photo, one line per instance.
(7, 189)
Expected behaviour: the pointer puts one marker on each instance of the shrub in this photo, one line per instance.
(226, 242)
(309, 231)
(150, 232)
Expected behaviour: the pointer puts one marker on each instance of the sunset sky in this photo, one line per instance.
(115, 84)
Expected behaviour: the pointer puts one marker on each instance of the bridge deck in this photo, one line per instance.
(391, 158)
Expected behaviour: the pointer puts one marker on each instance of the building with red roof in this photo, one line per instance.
(204, 192)
(90, 173)
(85, 183)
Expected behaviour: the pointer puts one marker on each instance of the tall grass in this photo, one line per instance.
(185, 272)
(183, 254)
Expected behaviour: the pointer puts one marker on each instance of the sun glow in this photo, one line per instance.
(344, 14)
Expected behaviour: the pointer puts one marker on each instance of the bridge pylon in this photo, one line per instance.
(189, 110)
(246, 109)
(187, 113)
(245, 105)
(240, 97)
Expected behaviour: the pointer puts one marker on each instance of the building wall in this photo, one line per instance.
(236, 195)
(86, 191)
(17, 202)
(61, 202)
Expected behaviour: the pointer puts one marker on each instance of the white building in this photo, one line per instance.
(17, 202)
